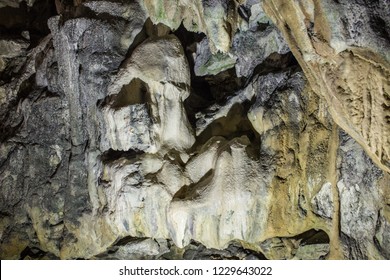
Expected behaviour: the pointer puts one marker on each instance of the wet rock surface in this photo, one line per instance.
(174, 130)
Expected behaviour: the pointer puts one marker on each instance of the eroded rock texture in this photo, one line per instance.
(343, 47)
(194, 130)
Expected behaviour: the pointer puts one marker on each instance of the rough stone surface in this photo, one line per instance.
(15, 3)
(258, 40)
(124, 134)
(343, 48)
(323, 201)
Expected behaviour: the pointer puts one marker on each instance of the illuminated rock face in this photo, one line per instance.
(125, 134)
(343, 47)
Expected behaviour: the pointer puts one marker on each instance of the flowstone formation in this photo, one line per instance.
(213, 129)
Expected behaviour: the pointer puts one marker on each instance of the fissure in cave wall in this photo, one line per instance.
(223, 129)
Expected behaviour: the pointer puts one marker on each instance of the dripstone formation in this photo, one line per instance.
(205, 129)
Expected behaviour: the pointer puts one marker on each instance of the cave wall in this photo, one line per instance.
(164, 129)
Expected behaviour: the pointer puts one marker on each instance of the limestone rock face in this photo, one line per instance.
(258, 40)
(165, 76)
(15, 3)
(343, 47)
(219, 129)
(216, 18)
